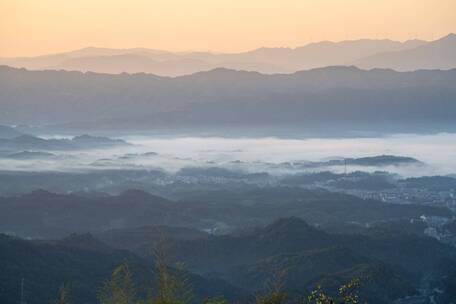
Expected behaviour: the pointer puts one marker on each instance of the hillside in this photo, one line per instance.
(41, 214)
(8, 132)
(359, 100)
(29, 142)
(83, 263)
(310, 256)
(390, 266)
(439, 54)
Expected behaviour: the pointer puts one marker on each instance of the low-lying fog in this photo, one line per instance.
(437, 151)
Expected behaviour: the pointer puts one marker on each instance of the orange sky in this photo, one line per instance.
(35, 27)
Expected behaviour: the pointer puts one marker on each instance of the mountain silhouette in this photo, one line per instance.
(439, 54)
(164, 63)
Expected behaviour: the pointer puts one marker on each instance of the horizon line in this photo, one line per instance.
(347, 67)
(221, 52)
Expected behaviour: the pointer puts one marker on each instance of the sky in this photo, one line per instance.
(37, 27)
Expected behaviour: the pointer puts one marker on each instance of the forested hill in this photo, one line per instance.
(321, 97)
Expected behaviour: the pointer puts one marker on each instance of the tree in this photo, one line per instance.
(120, 289)
(318, 296)
(348, 294)
(274, 290)
(216, 300)
(63, 295)
(173, 285)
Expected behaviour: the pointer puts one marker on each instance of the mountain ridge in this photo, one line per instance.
(269, 60)
(223, 96)
(438, 54)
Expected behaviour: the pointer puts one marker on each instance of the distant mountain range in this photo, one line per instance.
(135, 208)
(22, 142)
(332, 98)
(8, 132)
(378, 160)
(26, 155)
(365, 53)
(439, 54)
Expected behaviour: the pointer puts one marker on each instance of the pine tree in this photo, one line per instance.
(120, 289)
(63, 295)
(173, 284)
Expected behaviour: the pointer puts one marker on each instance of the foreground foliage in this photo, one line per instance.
(173, 288)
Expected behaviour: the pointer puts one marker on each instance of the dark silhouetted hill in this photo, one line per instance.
(83, 264)
(390, 265)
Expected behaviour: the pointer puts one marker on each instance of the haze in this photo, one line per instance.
(256, 155)
(30, 28)
(221, 152)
